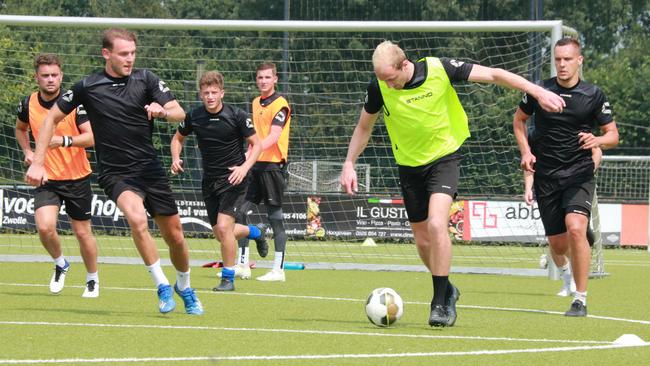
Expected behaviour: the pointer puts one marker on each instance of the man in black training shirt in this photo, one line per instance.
(220, 130)
(561, 158)
(122, 103)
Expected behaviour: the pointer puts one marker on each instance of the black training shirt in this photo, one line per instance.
(220, 137)
(555, 140)
(115, 106)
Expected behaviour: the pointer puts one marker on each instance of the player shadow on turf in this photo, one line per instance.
(75, 311)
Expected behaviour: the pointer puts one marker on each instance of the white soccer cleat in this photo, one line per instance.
(58, 278)
(273, 275)
(543, 261)
(91, 290)
(242, 271)
(568, 289)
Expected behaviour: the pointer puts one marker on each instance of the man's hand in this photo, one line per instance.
(349, 179)
(528, 162)
(29, 158)
(550, 101)
(238, 174)
(587, 140)
(177, 167)
(36, 175)
(56, 141)
(528, 197)
(155, 110)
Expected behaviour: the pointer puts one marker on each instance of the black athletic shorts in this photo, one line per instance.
(418, 183)
(153, 187)
(268, 183)
(558, 197)
(76, 194)
(222, 197)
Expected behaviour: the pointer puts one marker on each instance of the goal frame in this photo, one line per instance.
(554, 28)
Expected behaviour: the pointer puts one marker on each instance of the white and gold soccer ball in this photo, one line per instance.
(384, 307)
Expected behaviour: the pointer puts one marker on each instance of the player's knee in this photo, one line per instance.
(437, 227)
(221, 231)
(46, 230)
(576, 231)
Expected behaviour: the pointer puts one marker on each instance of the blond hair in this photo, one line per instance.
(388, 53)
(110, 35)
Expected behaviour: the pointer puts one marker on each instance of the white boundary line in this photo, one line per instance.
(316, 357)
(305, 297)
(302, 331)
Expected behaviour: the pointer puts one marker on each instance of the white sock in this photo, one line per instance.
(157, 274)
(278, 261)
(92, 277)
(565, 271)
(582, 296)
(183, 279)
(243, 255)
(60, 261)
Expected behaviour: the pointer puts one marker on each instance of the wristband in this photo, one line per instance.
(67, 141)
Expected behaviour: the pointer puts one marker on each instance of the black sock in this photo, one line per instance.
(440, 285)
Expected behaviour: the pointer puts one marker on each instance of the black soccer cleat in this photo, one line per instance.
(225, 285)
(450, 305)
(261, 243)
(438, 316)
(577, 309)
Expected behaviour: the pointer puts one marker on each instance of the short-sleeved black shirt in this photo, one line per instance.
(555, 140)
(115, 106)
(220, 137)
(23, 110)
(456, 71)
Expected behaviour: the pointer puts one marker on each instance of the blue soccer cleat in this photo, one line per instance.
(166, 301)
(192, 304)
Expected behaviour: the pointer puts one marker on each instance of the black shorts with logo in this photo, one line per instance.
(153, 187)
(75, 194)
(558, 197)
(222, 197)
(418, 183)
(268, 183)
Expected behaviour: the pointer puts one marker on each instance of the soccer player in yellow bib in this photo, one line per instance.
(427, 125)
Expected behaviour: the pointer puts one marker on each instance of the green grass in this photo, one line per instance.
(321, 313)
(315, 251)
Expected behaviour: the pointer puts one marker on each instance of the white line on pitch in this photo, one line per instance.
(300, 331)
(490, 308)
(320, 357)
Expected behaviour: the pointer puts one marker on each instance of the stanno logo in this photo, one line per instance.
(565, 95)
(419, 97)
(163, 88)
(67, 96)
(606, 108)
(118, 84)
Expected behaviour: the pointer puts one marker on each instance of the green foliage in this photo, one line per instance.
(326, 103)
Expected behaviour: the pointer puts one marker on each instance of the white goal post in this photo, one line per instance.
(324, 70)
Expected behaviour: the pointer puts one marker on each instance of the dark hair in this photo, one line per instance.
(267, 66)
(211, 78)
(567, 41)
(46, 59)
(109, 36)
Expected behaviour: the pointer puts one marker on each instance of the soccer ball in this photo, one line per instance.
(384, 307)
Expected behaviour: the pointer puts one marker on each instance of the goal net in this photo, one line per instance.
(324, 69)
